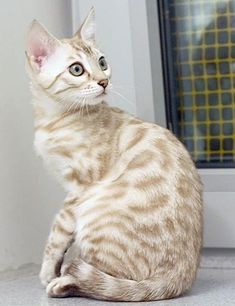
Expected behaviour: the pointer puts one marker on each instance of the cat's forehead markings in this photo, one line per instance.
(81, 46)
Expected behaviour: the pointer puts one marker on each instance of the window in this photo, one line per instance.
(199, 71)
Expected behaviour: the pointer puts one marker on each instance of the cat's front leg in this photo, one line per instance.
(60, 238)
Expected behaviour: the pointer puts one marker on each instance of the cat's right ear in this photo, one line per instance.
(87, 29)
(40, 45)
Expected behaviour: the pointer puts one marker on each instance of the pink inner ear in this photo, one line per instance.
(39, 54)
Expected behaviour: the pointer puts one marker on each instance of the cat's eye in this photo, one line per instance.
(103, 64)
(76, 69)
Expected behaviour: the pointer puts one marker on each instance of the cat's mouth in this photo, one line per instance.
(96, 95)
(102, 94)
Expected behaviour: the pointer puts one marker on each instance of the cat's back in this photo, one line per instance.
(150, 202)
(163, 181)
(142, 144)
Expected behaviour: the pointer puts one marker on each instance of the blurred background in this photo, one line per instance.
(173, 63)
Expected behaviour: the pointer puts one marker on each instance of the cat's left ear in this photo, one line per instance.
(40, 46)
(87, 29)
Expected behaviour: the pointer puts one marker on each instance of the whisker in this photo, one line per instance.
(71, 106)
(87, 110)
(76, 103)
(66, 106)
(80, 109)
(123, 86)
(83, 105)
(123, 97)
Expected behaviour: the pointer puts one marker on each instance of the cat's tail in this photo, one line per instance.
(96, 284)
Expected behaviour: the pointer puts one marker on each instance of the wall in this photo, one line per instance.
(28, 197)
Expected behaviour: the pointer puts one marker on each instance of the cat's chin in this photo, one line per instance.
(96, 100)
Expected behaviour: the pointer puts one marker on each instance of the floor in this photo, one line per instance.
(215, 285)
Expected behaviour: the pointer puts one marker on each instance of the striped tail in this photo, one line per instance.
(82, 279)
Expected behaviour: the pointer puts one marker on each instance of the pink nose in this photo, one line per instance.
(103, 83)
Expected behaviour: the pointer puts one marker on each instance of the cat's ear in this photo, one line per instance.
(87, 29)
(40, 45)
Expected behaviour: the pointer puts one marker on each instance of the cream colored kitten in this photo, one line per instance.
(131, 226)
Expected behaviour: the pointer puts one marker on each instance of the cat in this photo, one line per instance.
(131, 225)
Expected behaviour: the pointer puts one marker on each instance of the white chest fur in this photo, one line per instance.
(57, 150)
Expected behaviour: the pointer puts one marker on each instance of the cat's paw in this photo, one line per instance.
(62, 286)
(47, 274)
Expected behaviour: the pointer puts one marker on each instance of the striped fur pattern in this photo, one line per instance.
(131, 225)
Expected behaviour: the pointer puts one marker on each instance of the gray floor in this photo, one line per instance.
(215, 285)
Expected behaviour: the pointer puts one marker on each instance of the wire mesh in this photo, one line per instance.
(203, 40)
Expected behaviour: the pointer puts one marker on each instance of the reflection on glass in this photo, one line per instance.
(203, 47)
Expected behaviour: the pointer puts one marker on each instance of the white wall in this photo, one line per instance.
(28, 197)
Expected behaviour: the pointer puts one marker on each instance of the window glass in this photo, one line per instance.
(199, 38)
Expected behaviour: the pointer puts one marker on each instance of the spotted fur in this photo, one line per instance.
(131, 226)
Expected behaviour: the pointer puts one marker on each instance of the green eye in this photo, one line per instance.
(76, 69)
(103, 64)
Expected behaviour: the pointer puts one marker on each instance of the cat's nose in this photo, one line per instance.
(104, 83)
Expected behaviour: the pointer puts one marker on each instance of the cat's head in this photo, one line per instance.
(70, 71)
